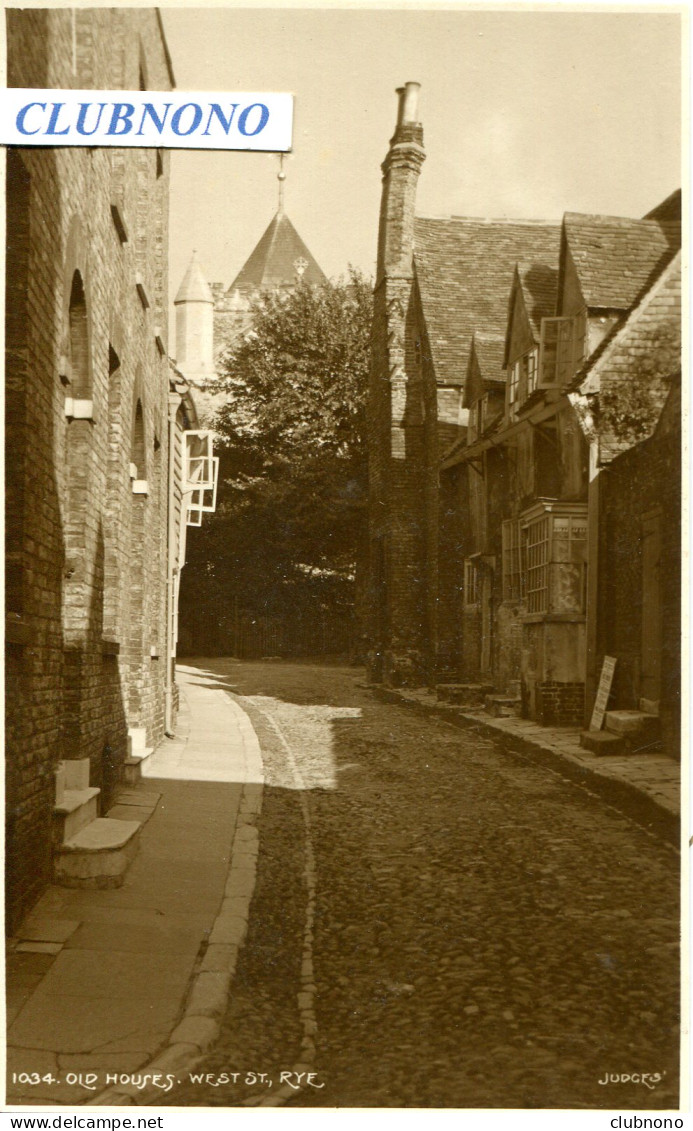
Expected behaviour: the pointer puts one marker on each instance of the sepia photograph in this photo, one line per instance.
(343, 560)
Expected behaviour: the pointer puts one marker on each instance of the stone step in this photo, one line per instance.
(98, 855)
(76, 773)
(76, 808)
(502, 706)
(602, 742)
(132, 766)
(649, 706)
(463, 694)
(637, 727)
(137, 739)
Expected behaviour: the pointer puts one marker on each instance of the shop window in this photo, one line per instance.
(538, 566)
(556, 557)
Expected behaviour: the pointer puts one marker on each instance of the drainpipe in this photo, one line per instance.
(581, 402)
(592, 611)
(174, 400)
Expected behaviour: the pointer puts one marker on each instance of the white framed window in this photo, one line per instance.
(198, 470)
(513, 561)
(203, 500)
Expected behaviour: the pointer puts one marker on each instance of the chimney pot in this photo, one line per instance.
(409, 104)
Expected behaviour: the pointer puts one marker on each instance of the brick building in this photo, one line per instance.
(95, 455)
(481, 551)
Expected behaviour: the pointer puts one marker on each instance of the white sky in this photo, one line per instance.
(525, 113)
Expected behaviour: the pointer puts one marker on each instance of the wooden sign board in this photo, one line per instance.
(603, 693)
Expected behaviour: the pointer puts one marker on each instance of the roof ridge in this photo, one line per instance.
(491, 220)
(622, 220)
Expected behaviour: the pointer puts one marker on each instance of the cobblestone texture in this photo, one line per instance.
(487, 933)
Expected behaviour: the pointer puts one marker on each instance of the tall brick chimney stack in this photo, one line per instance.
(396, 427)
(401, 170)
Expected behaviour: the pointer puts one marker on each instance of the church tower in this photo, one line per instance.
(279, 262)
(208, 316)
(195, 325)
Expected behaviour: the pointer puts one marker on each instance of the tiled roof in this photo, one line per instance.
(539, 283)
(274, 261)
(636, 364)
(464, 269)
(617, 258)
(489, 355)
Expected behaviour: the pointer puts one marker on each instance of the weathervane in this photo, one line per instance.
(281, 177)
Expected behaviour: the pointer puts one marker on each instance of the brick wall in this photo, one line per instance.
(644, 480)
(560, 704)
(79, 328)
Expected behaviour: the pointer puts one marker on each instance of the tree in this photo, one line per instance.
(293, 474)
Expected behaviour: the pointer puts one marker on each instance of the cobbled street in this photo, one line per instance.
(481, 932)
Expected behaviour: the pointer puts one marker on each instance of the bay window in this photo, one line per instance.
(556, 557)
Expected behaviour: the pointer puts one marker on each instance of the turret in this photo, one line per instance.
(194, 305)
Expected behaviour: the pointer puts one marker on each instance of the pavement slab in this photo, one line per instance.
(98, 979)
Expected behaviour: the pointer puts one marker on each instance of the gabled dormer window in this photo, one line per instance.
(532, 359)
(522, 379)
(562, 350)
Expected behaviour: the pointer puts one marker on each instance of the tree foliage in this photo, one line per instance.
(291, 440)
